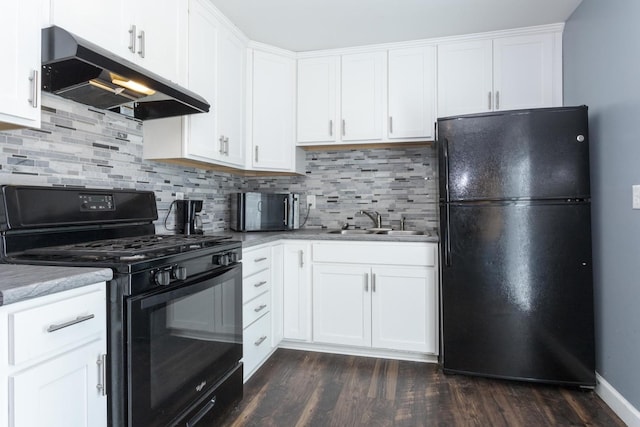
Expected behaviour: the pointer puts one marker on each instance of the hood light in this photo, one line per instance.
(134, 86)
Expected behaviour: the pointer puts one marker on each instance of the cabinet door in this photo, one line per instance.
(317, 99)
(202, 143)
(465, 78)
(160, 26)
(230, 82)
(19, 74)
(104, 26)
(363, 95)
(61, 392)
(404, 309)
(524, 72)
(273, 111)
(296, 291)
(412, 82)
(341, 305)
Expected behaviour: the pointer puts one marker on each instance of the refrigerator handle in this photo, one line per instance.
(445, 154)
(447, 238)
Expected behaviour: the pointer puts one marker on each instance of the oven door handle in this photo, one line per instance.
(195, 285)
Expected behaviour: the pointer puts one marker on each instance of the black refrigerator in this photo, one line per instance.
(515, 223)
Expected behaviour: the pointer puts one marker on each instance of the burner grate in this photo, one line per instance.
(133, 248)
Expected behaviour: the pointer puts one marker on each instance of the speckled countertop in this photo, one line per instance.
(22, 282)
(260, 237)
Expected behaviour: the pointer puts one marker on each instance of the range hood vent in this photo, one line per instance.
(79, 70)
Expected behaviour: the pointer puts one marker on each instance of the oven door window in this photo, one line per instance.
(181, 342)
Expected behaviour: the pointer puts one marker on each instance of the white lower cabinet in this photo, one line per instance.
(296, 288)
(52, 370)
(392, 307)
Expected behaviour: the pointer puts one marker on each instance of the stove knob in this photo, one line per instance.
(179, 273)
(162, 278)
(233, 257)
(222, 259)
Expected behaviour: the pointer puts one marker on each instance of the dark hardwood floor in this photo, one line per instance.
(296, 388)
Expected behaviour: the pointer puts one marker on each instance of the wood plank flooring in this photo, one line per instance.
(297, 388)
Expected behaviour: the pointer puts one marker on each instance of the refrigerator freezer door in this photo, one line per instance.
(528, 154)
(517, 294)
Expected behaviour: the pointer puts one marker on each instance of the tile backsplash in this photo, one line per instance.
(81, 146)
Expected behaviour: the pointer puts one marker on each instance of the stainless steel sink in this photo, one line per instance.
(402, 232)
(351, 232)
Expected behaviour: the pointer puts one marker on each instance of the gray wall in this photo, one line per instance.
(602, 70)
(79, 146)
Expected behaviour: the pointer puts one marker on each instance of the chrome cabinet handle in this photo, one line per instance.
(256, 154)
(226, 145)
(497, 100)
(79, 319)
(373, 282)
(257, 285)
(221, 139)
(260, 340)
(330, 127)
(489, 100)
(301, 254)
(260, 259)
(344, 127)
(260, 308)
(132, 39)
(366, 282)
(102, 374)
(141, 37)
(390, 124)
(33, 78)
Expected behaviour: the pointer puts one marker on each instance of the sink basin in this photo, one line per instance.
(351, 232)
(402, 232)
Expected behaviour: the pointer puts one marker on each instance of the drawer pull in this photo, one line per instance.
(78, 319)
(260, 308)
(260, 340)
(260, 259)
(257, 285)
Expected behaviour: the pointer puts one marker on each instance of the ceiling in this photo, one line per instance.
(302, 25)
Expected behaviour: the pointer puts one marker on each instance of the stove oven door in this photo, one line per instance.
(182, 342)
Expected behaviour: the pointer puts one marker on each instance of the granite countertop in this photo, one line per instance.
(22, 282)
(260, 237)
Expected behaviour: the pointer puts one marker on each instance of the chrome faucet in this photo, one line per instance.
(377, 219)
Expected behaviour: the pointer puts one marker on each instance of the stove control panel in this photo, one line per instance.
(96, 202)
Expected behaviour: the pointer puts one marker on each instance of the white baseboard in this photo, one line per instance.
(621, 406)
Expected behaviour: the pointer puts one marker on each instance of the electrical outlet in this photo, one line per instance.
(636, 196)
(179, 195)
(311, 201)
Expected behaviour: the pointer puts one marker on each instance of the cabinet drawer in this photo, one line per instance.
(256, 343)
(255, 308)
(414, 254)
(49, 328)
(256, 284)
(255, 260)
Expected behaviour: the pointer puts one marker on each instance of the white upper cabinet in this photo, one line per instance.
(342, 98)
(363, 95)
(412, 80)
(523, 73)
(465, 73)
(216, 71)
(19, 75)
(229, 102)
(318, 95)
(510, 72)
(272, 112)
(147, 32)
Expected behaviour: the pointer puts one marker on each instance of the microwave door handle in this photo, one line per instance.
(286, 212)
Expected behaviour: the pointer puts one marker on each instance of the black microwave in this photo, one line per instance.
(253, 211)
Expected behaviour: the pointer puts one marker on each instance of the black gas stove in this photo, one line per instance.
(175, 302)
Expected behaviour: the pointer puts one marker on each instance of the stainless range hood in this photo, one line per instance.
(79, 70)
